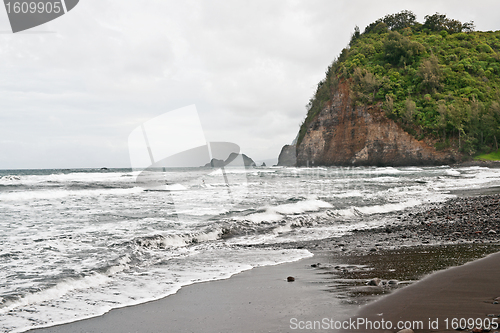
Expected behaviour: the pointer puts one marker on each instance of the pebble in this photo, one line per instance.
(492, 232)
(290, 279)
(406, 330)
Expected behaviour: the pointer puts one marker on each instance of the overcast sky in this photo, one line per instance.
(72, 90)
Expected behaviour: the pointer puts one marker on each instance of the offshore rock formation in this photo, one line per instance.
(288, 156)
(215, 163)
(344, 135)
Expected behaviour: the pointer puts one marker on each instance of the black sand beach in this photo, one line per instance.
(345, 279)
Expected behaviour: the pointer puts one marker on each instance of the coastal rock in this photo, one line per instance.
(215, 163)
(374, 282)
(345, 135)
(247, 161)
(290, 279)
(288, 156)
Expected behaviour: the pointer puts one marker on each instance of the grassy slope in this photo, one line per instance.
(495, 156)
(436, 85)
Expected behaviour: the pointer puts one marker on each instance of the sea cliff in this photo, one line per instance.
(405, 93)
(343, 134)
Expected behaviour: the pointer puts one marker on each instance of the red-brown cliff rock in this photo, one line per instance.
(362, 135)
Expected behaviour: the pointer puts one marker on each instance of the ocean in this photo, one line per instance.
(76, 243)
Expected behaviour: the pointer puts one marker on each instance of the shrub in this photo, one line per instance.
(400, 50)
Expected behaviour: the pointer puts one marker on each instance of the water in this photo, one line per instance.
(77, 243)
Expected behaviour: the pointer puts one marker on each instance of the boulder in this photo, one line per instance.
(215, 163)
(374, 282)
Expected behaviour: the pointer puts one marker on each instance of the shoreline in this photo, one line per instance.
(256, 300)
(261, 300)
(444, 301)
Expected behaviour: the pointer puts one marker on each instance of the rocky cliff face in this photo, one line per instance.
(345, 135)
(288, 156)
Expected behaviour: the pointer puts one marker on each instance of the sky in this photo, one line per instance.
(74, 89)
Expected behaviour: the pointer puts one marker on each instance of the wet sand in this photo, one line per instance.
(258, 300)
(443, 302)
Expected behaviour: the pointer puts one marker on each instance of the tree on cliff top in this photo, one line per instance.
(397, 21)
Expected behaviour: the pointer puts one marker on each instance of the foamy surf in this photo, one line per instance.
(94, 240)
(99, 293)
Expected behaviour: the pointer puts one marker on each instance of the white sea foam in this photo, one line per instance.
(412, 169)
(387, 170)
(452, 172)
(276, 213)
(267, 216)
(95, 295)
(218, 172)
(76, 177)
(58, 194)
(301, 207)
(133, 245)
(56, 292)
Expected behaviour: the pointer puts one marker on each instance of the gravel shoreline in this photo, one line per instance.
(365, 264)
(461, 220)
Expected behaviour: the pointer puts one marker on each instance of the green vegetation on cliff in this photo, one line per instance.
(489, 157)
(440, 80)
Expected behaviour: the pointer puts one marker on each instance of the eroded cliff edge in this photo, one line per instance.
(346, 135)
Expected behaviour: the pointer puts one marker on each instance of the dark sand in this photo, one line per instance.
(465, 292)
(260, 300)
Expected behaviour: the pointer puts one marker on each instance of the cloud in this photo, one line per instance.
(71, 97)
